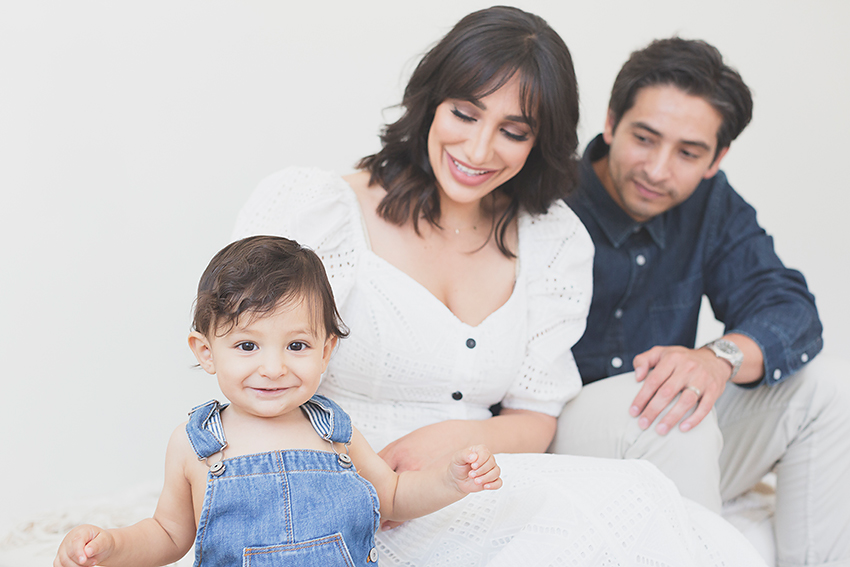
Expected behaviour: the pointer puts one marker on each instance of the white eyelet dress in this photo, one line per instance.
(409, 362)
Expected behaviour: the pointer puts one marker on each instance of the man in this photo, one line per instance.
(668, 229)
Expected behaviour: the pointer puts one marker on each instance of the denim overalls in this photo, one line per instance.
(295, 507)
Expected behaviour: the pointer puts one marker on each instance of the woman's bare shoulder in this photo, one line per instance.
(367, 194)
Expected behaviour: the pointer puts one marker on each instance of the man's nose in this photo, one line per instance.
(658, 165)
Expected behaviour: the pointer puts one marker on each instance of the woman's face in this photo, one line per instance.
(475, 146)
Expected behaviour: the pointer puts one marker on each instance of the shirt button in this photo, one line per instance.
(640, 259)
(373, 555)
(616, 362)
(470, 343)
(777, 374)
(805, 357)
(618, 314)
(457, 395)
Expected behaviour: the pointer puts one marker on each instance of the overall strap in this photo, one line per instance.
(204, 429)
(328, 419)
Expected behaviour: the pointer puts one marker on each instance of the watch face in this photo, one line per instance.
(726, 347)
(728, 350)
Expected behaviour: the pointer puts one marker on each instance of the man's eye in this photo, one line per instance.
(247, 346)
(297, 345)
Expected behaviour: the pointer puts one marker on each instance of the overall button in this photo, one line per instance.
(470, 343)
(616, 362)
(344, 460)
(640, 259)
(373, 555)
(457, 395)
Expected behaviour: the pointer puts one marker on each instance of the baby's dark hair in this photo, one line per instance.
(254, 276)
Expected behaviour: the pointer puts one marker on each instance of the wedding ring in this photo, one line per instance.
(695, 390)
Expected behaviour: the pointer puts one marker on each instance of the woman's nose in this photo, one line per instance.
(480, 146)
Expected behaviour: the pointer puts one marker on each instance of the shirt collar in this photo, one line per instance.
(613, 220)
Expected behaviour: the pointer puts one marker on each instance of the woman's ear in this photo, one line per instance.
(203, 353)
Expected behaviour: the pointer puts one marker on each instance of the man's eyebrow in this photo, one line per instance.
(511, 117)
(654, 132)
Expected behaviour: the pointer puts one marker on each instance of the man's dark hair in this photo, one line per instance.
(696, 68)
(254, 276)
(484, 51)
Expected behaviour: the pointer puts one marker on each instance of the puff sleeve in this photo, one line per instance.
(556, 255)
(315, 208)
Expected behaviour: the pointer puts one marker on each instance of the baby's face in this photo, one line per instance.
(270, 364)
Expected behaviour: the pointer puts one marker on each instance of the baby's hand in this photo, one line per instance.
(84, 546)
(475, 469)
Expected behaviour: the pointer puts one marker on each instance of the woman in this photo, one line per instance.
(465, 281)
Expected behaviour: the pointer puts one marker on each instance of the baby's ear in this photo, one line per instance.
(327, 350)
(201, 348)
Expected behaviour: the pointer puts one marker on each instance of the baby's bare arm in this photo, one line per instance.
(415, 493)
(160, 540)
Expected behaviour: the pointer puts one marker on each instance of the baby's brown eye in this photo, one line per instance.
(297, 345)
(247, 347)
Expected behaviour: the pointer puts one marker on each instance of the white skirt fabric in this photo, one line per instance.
(570, 511)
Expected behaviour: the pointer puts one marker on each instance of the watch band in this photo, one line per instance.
(728, 351)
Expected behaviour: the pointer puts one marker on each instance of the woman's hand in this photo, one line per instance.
(432, 445)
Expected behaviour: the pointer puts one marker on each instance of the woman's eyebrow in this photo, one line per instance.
(510, 117)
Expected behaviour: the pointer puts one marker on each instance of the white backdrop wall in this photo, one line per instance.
(131, 133)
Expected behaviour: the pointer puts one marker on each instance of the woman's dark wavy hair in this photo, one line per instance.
(255, 275)
(477, 57)
(695, 67)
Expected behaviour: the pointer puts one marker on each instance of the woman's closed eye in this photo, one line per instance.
(517, 137)
(462, 116)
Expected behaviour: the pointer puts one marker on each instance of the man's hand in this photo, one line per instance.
(668, 371)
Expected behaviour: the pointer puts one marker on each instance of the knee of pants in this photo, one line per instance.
(818, 386)
(597, 423)
(829, 400)
(597, 420)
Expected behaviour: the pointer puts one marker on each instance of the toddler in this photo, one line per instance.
(278, 476)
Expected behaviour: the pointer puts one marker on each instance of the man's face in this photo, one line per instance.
(662, 148)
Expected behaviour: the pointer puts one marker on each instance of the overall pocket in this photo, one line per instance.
(327, 551)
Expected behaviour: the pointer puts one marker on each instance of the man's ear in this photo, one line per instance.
(203, 353)
(608, 132)
(715, 166)
(328, 350)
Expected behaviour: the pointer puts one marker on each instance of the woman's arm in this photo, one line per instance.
(513, 431)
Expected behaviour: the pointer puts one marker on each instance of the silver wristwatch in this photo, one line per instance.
(729, 351)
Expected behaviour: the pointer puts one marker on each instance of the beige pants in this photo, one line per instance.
(800, 429)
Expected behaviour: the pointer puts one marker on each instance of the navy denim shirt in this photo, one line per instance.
(649, 279)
